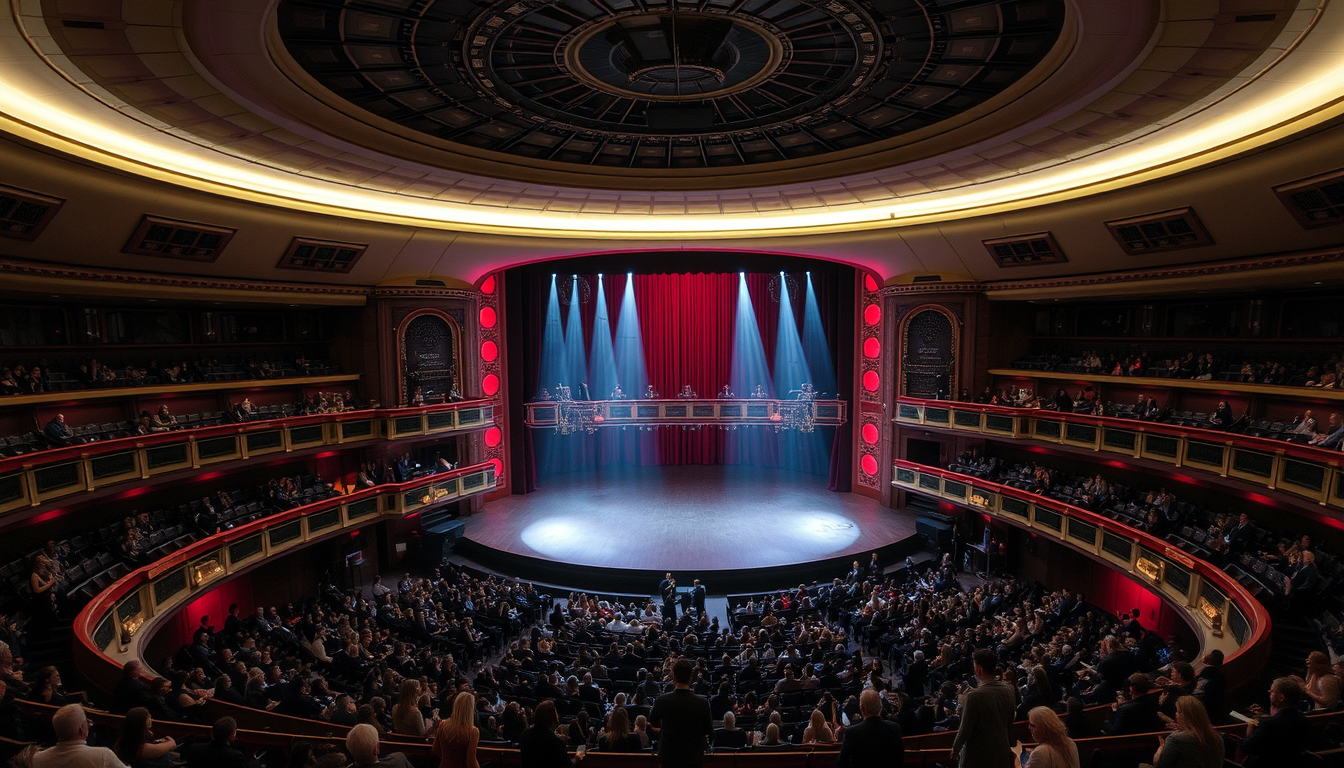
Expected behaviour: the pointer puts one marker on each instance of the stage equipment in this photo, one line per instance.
(802, 414)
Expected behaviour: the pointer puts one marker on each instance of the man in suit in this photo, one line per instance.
(916, 675)
(698, 597)
(219, 752)
(1239, 538)
(872, 742)
(1283, 736)
(668, 589)
(683, 721)
(1135, 712)
(982, 739)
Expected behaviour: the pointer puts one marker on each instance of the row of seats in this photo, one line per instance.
(30, 442)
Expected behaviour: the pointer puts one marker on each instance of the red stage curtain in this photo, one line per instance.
(687, 324)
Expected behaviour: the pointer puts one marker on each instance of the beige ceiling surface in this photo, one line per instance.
(203, 71)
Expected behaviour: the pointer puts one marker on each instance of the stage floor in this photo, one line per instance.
(686, 518)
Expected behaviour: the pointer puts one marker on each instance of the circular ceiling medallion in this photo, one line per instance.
(670, 57)
(685, 85)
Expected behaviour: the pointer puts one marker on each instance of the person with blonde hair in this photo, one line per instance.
(456, 738)
(1321, 685)
(406, 717)
(817, 731)
(1054, 748)
(1195, 743)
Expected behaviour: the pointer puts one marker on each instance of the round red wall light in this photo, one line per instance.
(490, 384)
(493, 437)
(488, 317)
(872, 348)
(871, 381)
(872, 314)
(489, 351)
(488, 285)
(498, 465)
(869, 284)
(870, 434)
(869, 466)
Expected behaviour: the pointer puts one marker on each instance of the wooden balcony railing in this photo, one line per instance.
(1219, 609)
(35, 478)
(1302, 470)
(110, 629)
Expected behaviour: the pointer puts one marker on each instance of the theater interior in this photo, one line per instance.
(363, 355)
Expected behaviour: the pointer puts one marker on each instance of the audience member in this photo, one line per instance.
(71, 751)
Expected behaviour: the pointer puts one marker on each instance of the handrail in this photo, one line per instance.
(916, 753)
(116, 445)
(1306, 471)
(1296, 450)
(1241, 387)
(112, 393)
(35, 478)
(1257, 616)
(388, 499)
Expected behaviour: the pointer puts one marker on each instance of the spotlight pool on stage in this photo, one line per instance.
(684, 519)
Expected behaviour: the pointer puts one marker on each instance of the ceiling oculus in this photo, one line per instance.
(640, 84)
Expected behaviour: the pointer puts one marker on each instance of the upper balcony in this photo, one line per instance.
(33, 479)
(1304, 471)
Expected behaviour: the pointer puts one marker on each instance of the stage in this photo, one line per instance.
(736, 528)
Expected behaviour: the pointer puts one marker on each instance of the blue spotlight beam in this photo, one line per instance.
(631, 372)
(576, 349)
(749, 364)
(552, 367)
(602, 375)
(791, 370)
(815, 346)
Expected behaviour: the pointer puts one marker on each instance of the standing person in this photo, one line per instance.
(872, 742)
(668, 589)
(539, 747)
(683, 721)
(1054, 748)
(72, 730)
(456, 738)
(982, 739)
(698, 597)
(1195, 744)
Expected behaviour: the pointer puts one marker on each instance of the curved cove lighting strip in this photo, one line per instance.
(1303, 89)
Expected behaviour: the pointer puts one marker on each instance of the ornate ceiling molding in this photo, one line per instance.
(1169, 110)
(1263, 268)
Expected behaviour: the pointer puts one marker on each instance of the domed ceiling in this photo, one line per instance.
(639, 84)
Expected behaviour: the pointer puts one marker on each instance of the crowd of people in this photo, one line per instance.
(461, 659)
(1317, 373)
(57, 432)
(39, 376)
(1291, 567)
(1305, 429)
(65, 574)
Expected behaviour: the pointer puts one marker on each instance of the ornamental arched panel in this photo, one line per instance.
(930, 342)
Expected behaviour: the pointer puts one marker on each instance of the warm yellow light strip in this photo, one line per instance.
(1265, 111)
